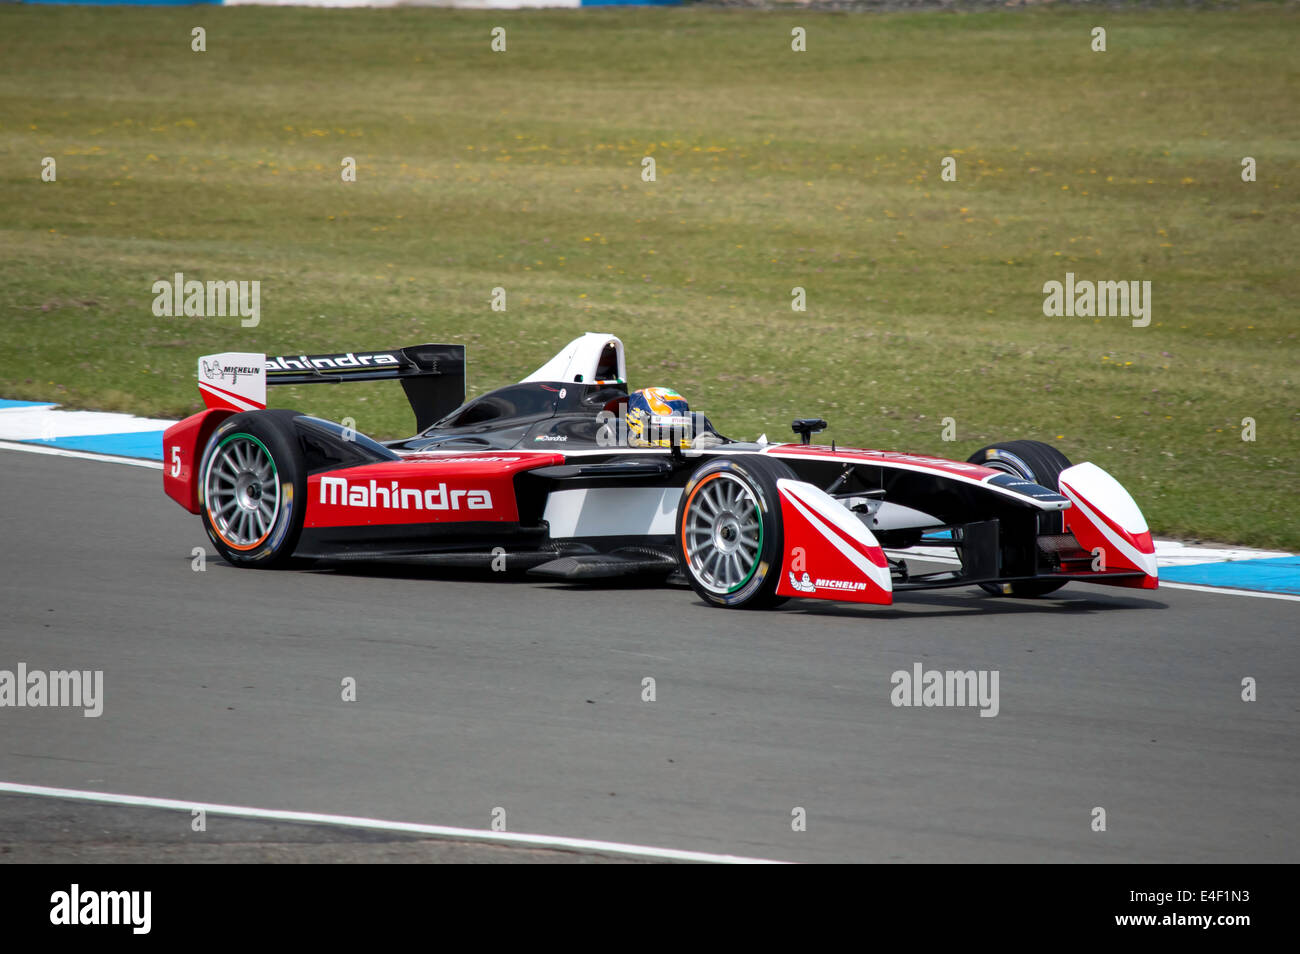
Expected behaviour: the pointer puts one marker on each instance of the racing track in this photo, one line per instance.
(223, 686)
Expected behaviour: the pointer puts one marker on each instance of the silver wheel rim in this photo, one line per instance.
(1016, 469)
(241, 491)
(724, 534)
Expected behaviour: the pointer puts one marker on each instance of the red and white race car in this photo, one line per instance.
(569, 475)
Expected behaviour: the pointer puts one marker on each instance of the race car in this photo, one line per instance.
(569, 475)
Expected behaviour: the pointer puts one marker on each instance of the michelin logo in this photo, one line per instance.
(848, 586)
(216, 370)
(808, 585)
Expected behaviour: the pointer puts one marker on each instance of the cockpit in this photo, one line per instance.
(579, 397)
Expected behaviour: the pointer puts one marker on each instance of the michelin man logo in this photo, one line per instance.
(804, 585)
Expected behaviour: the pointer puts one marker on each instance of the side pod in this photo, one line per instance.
(829, 553)
(1103, 516)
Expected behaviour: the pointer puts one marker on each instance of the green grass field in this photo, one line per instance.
(774, 169)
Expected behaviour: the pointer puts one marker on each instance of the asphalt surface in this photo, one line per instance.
(475, 693)
(54, 831)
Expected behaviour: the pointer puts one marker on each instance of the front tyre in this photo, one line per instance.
(1042, 464)
(729, 537)
(253, 488)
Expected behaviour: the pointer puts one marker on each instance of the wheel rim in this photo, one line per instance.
(723, 533)
(1012, 465)
(241, 491)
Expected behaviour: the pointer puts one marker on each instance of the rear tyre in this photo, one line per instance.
(1042, 464)
(729, 538)
(253, 488)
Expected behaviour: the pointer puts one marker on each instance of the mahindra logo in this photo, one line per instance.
(336, 491)
(335, 362)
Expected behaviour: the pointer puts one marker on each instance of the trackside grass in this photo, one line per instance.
(523, 170)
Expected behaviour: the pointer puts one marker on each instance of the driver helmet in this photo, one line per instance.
(653, 414)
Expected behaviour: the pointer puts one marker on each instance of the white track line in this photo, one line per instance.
(351, 821)
(1195, 587)
(80, 455)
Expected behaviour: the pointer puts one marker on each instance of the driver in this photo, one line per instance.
(653, 414)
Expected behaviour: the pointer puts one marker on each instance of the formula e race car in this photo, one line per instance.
(569, 475)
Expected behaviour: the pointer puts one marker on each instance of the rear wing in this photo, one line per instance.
(432, 375)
